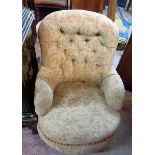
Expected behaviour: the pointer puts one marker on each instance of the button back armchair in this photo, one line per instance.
(77, 94)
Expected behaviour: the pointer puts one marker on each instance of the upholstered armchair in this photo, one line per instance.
(78, 95)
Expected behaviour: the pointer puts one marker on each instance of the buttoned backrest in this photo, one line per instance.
(78, 45)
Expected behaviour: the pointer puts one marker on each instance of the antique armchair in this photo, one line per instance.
(78, 95)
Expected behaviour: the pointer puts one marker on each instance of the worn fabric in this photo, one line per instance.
(79, 116)
(78, 45)
(74, 97)
(114, 91)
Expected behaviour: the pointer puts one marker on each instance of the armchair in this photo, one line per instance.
(77, 94)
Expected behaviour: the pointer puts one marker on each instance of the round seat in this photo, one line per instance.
(79, 118)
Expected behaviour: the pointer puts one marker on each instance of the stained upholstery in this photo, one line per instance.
(77, 94)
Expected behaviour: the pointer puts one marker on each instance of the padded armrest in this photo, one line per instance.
(44, 88)
(113, 89)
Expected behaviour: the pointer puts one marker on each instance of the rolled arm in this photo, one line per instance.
(44, 88)
(113, 89)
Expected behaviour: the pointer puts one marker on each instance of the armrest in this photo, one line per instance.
(113, 89)
(44, 88)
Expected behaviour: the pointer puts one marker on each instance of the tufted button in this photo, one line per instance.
(94, 51)
(85, 60)
(97, 65)
(73, 60)
(78, 32)
(61, 30)
(71, 40)
(97, 34)
(86, 40)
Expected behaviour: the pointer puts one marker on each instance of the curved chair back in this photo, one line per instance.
(78, 45)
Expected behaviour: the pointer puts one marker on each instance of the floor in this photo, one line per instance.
(121, 145)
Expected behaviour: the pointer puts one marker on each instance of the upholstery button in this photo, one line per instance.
(97, 34)
(73, 60)
(61, 30)
(78, 33)
(97, 65)
(86, 40)
(85, 60)
(71, 40)
(94, 51)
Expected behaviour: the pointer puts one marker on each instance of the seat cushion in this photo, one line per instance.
(79, 115)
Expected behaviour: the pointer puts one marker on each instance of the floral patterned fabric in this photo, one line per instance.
(114, 91)
(77, 45)
(77, 49)
(79, 116)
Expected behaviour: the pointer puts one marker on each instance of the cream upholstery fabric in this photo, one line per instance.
(78, 45)
(77, 95)
(76, 149)
(79, 115)
(113, 88)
